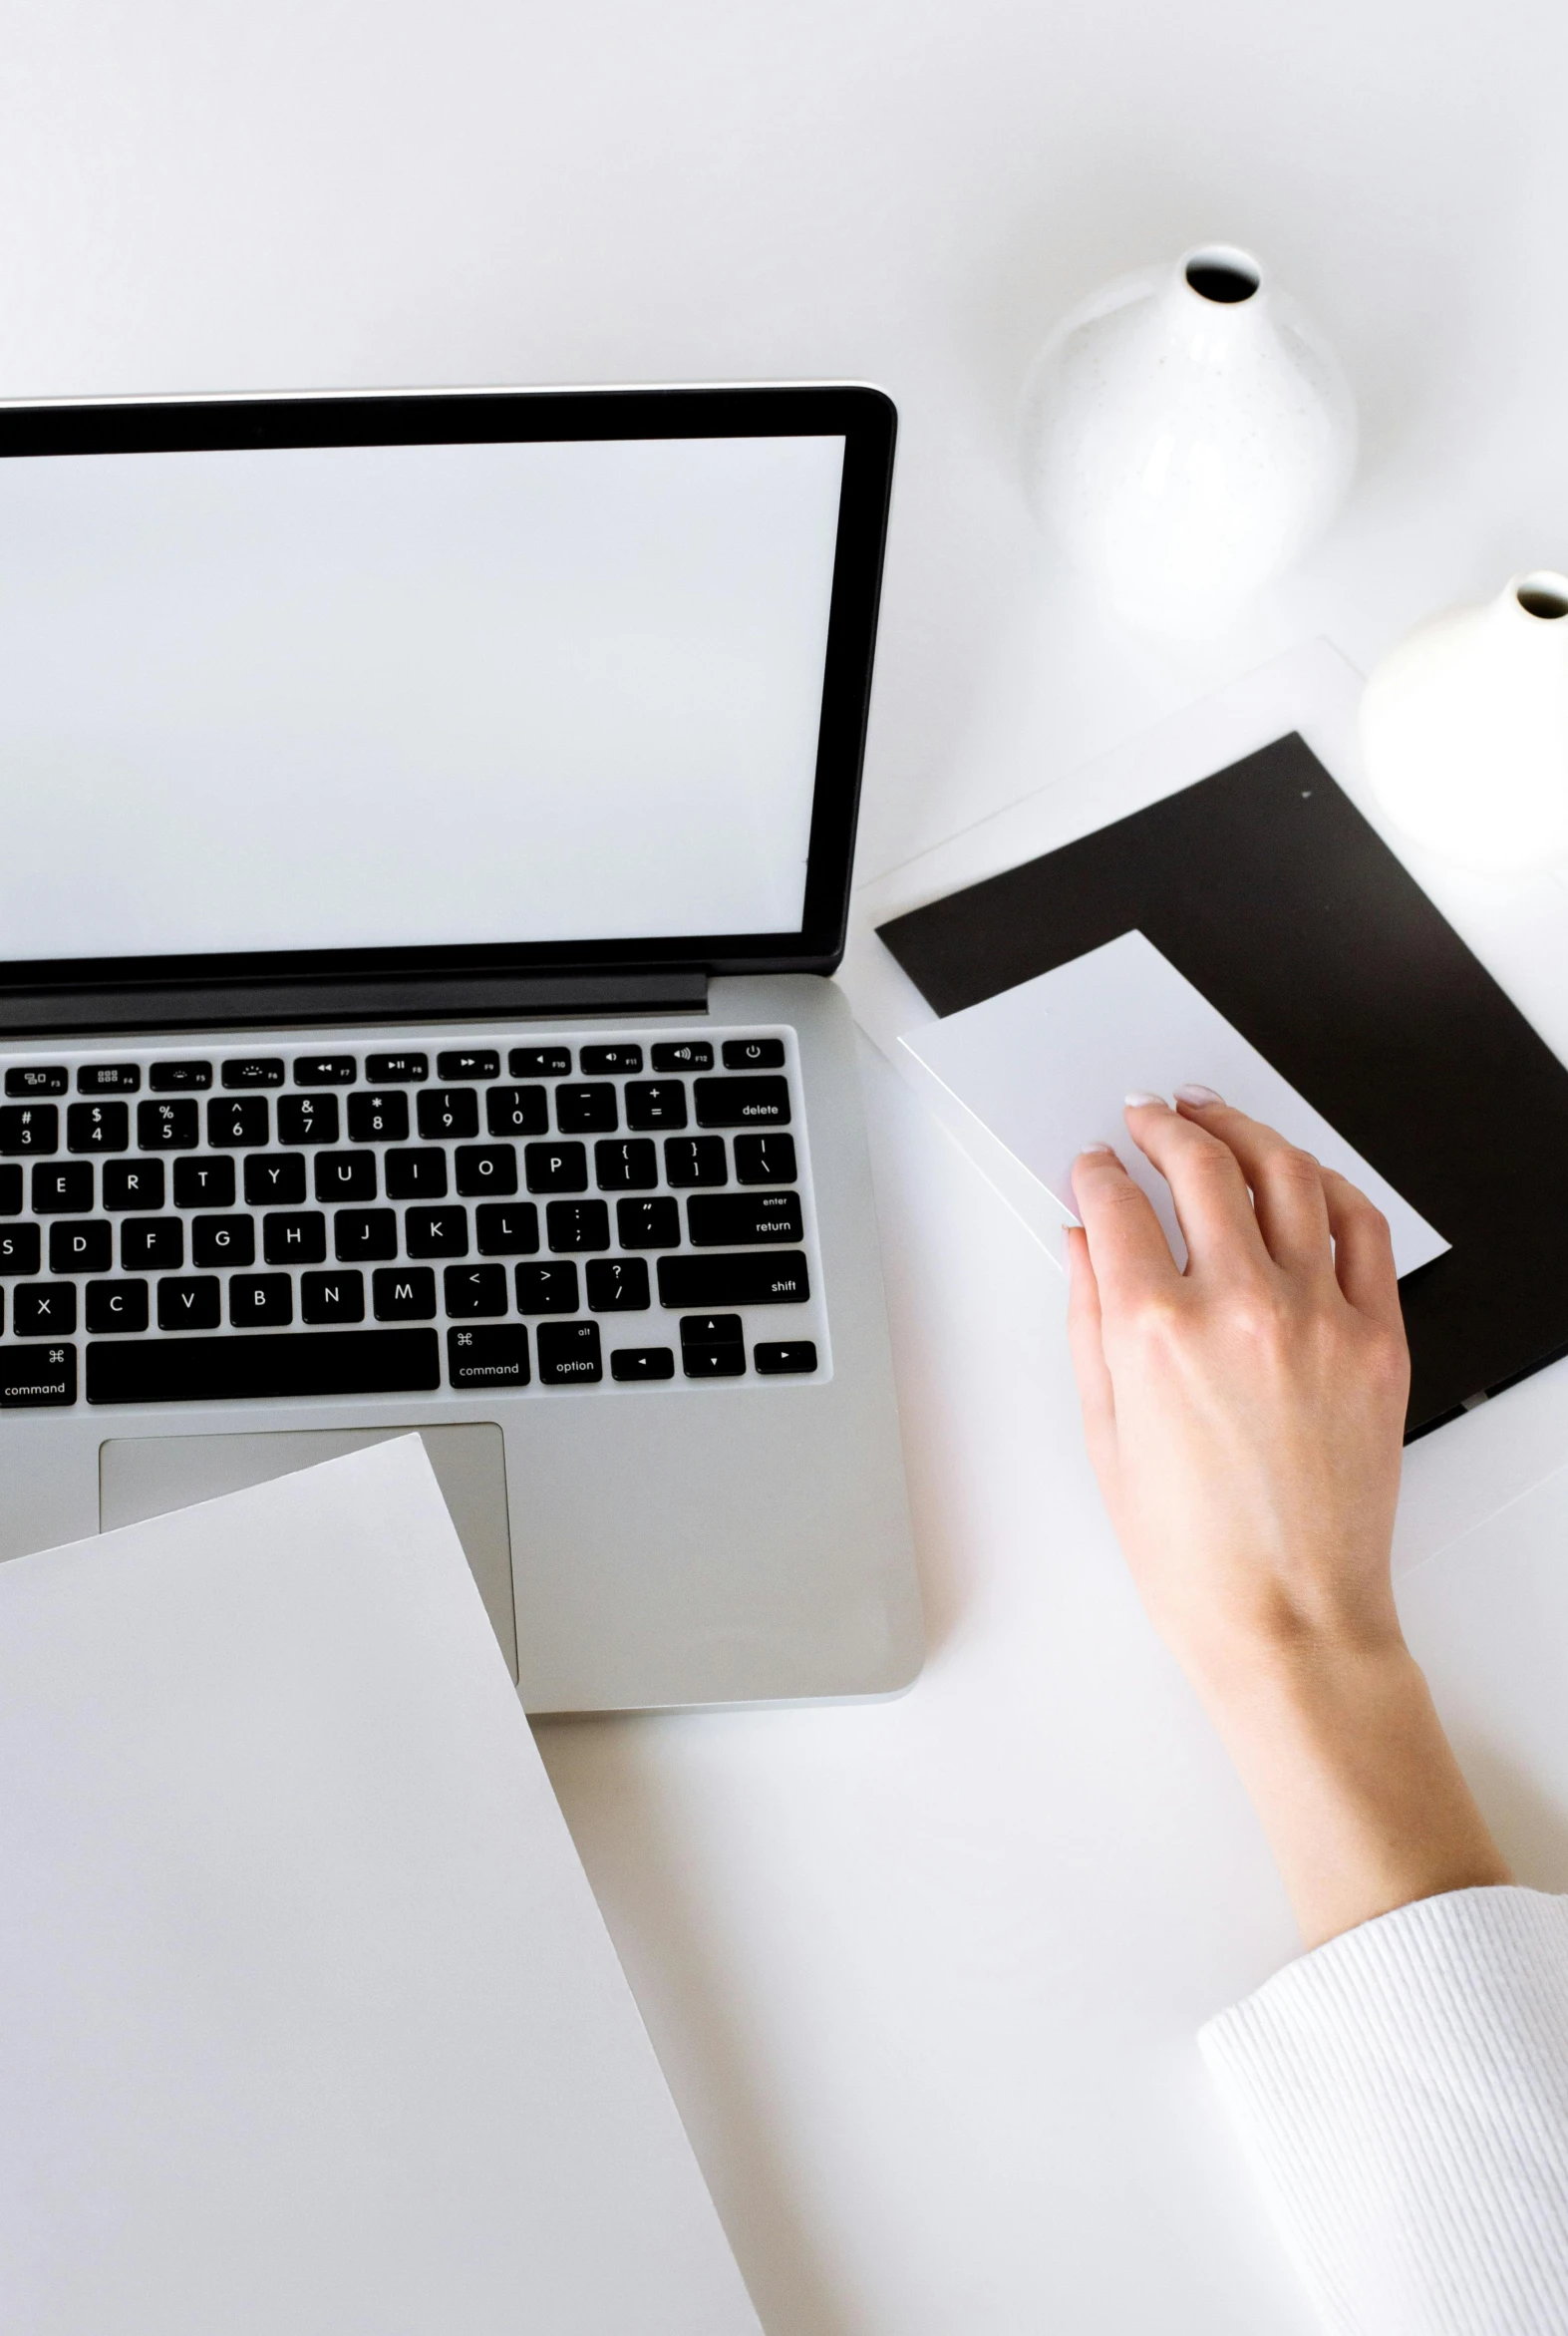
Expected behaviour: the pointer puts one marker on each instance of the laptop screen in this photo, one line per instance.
(378, 696)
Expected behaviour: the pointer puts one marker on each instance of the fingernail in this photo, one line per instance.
(1086, 1149)
(1198, 1095)
(1139, 1096)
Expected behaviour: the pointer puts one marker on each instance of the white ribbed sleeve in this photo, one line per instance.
(1403, 2095)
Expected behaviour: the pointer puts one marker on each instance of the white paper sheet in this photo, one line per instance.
(308, 2020)
(1027, 1079)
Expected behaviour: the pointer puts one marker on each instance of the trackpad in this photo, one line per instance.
(147, 1476)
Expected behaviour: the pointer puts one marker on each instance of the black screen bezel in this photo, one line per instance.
(863, 417)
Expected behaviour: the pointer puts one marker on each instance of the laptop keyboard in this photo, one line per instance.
(529, 1215)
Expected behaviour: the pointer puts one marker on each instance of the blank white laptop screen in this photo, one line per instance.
(403, 696)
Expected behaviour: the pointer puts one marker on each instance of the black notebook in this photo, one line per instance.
(1266, 887)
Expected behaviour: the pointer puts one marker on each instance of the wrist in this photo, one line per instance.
(1342, 1755)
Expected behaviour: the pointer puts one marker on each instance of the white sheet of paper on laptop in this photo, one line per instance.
(309, 2023)
(1025, 1079)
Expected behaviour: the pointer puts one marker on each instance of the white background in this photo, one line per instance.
(924, 1976)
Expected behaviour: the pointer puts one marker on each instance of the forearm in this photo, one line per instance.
(1345, 1758)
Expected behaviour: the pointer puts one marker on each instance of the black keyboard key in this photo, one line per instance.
(332, 1297)
(253, 1071)
(576, 1224)
(29, 1127)
(109, 1079)
(746, 1277)
(486, 1167)
(506, 1231)
(476, 1062)
(539, 1062)
(169, 1078)
(201, 1184)
(764, 1159)
(363, 1237)
(66, 1191)
(585, 1111)
(166, 1127)
(648, 1225)
(85, 1247)
(158, 1242)
(599, 1062)
(617, 1285)
(436, 1232)
(546, 1289)
(444, 1112)
(260, 1301)
(494, 1357)
(10, 1192)
(307, 1118)
(21, 1249)
(222, 1240)
(275, 1179)
(294, 1236)
(238, 1123)
(714, 1362)
(116, 1306)
(326, 1071)
(711, 1330)
(711, 1347)
(43, 1309)
(694, 1159)
(190, 1301)
(136, 1184)
(685, 1054)
(27, 1079)
(741, 1103)
(402, 1293)
(781, 1358)
(98, 1127)
(518, 1111)
(379, 1119)
(345, 1175)
(626, 1166)
(729, 1220)
(642, 1365)
(415, 1176)
(752, 1054)
(556, 1168)
(395, 1070)
(474, 1289)
(237, 1369)
(569, 1354)
(655, 1103)
(32, 1378)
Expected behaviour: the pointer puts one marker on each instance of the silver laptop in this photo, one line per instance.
(426, 827)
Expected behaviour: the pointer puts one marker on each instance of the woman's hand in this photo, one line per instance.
(1244, 1419)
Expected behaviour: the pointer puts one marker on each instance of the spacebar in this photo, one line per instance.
(230, 1369)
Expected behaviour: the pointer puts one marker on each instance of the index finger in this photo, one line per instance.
(1127, 1244)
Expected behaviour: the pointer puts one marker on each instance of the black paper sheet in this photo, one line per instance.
(1267, 889)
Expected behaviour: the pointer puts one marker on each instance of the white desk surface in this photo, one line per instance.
(925, 1975)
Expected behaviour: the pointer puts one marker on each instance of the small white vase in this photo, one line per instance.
(1189, 433)
(1464, 729)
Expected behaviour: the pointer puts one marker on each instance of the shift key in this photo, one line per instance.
(749, 1277)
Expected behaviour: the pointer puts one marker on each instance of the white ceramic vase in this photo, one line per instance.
(1464, 729)
(1189, 433)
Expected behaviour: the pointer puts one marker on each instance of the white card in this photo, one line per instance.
(1028, 1077)
(309, 2024)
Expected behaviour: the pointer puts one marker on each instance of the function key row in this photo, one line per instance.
(245, 1122)
(27, 1081)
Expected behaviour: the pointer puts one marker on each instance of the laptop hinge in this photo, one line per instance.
(402, 998)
